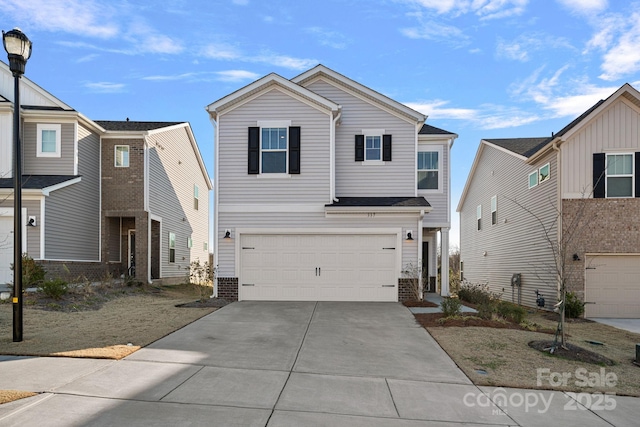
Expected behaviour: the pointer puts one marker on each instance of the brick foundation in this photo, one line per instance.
(228, 288)
(405, 289)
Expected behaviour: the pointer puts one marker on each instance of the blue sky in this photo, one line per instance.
(478, 68)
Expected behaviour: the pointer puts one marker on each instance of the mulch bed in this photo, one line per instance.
(416, 303)
(430, 320)
(204, 303)
(572, 352)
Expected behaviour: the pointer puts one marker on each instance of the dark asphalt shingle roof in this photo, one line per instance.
(432, 130)
(521, 146)
(381, 202)
(132, 126)
(43, 108)
(37, 182)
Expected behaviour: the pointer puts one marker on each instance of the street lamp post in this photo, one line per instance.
(18, 48)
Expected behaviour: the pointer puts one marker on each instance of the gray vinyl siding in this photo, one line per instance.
(438, 200)
(516, 244)
(310, 186)
(72, 214)
(63, 165)
(6, 145)
(297, 220)
(355, 179)
(616, 129)
(173, 172)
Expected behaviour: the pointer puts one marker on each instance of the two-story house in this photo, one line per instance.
(565, 206)
(325, 190)
(89, 187)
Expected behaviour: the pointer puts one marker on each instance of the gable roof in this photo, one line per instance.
(264, 83)
(521, 146)
(368, 93)
(37, 182)
(432, 130)
(131, 126)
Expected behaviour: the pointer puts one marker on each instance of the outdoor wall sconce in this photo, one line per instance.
(32, 221)
(227, 234)
(576, 257)
(409, 235)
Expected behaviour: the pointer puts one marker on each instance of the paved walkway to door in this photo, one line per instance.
(284, 364)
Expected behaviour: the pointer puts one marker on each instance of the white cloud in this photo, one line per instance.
(585, 6)
(432, 30)
(147, 39)
(221, 51)
(623, 57)
(240, 2)
(105, 87)
(485, 9)
(284, 61)
(521, 47)
(329, 38)
(236, 75)
(82, 17)
(436, 109)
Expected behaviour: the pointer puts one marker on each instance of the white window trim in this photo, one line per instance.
(479, 217)
(115, 156)
(537, 175)
(49, 126)
(540, 180)
(286, 124)
(373, 132)
(439, 150)
(631, 175)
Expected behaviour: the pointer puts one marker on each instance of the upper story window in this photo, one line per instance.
(195, 197)
(121, 156)
(172, 247)
(49, 140)
(373, 148)
(619, 175)
(428, 170)
(479, 217)
(494, 210)
(539, 175)
(274, 150)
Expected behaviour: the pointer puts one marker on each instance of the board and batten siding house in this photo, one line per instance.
(318, 191)
(581, 187)
(82, 206)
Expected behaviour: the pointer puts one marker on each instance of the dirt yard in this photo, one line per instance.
(502, 356)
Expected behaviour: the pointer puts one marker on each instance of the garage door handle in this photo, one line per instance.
(248, 284)
(246, 247)
(393, 249)
(388, 286)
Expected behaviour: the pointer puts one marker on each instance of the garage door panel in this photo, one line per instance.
(612, 286)
(319, 267)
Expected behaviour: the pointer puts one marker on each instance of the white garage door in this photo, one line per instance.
(6, 249)
(613, 286)
(319, 267)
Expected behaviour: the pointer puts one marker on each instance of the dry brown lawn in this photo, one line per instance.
(502, 357)
(108, 321)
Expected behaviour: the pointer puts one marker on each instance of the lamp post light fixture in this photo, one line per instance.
(18, 48)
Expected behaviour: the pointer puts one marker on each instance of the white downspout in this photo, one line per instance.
(559, 205)
(332, 154)
(215, 204)
(420, 254)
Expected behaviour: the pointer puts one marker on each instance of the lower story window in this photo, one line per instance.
(172, 247)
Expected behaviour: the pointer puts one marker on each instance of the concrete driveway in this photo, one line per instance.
(277, 364)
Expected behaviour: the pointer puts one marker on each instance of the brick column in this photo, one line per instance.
(142, 247)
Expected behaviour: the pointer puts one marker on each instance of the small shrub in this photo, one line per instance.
(55, 289)
(412, 273)
(512, 312)
(451, 306)
(486, 309)
(32, 273)
(201, 277)
(476, 293)
(573, 307)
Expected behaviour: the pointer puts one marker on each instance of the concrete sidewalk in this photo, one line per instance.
(281, 364)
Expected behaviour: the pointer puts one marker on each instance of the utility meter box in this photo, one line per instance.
(516, 280)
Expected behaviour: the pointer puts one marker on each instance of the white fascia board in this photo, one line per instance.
(49, 116)
(166, 128)
(216, 107)
(444, 138)
(27, 194)
(51, 188)
(111, 134)
(391, 103)
(271, 208)
(504, 150)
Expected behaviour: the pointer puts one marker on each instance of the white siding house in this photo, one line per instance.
(316, 191)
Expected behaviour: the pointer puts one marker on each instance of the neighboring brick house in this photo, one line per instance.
(79, 208)
(581, 186)
(326, 190)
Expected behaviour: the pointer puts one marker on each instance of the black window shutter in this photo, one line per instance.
(254, 151)
(294, 150)
(386, 148)
(359, 148)
(637, 174)
(599, 160)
